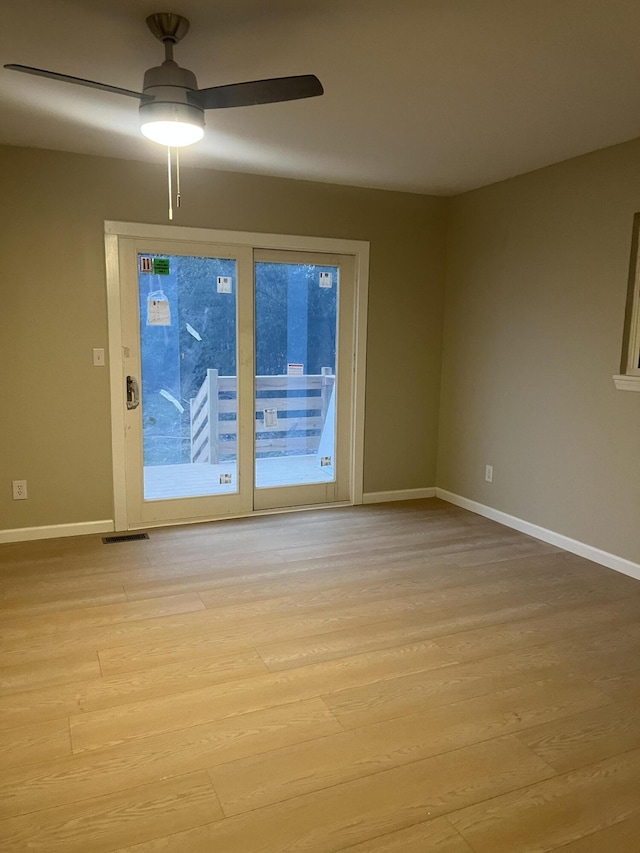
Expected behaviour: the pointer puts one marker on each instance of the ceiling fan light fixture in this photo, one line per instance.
(173, 134)
(172, 125)
(171, 104)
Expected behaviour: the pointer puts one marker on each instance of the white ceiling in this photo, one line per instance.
(429, 96)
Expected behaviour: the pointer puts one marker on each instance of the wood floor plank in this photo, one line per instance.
(402, 577)
(591, 736)
(523, 547)
(302, 651)
(345, 540)
(614, 670)
(359, 811)
(44, 673)
(56, 581)
(272, 568)
(579, 623)
(347, 526)
(633, 629)
(622, 682)
(420, 586)
(477, 541)
(220, 585)
(406, 566)
(596, 653)
(46, 624)
(206, 636)
(79, 777)
(435, 836)
(153, 642)
(109, 691)
(205, 572)
(256, 781)
(502, 630)
(81, 560)
(119, 635)
(141, 719)
(16, 558)
(399, 696)
(114, 820)
(622, 837)
(237, 629)
(327, 546)
(39, 742)
(546, 815)
(34, 602)
(21, 649)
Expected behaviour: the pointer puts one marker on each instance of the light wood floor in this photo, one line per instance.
(399, 678)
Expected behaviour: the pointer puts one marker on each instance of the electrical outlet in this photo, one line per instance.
(488, 473)
(19, 488)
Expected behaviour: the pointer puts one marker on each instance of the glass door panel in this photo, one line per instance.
(296, 326)
(188, 320)
(187, 367)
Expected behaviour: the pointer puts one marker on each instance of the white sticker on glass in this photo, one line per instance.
(224, 284)
(158, 311)
(326, 279)
(270, 418)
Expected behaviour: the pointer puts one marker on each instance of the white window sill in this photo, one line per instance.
(627, 382)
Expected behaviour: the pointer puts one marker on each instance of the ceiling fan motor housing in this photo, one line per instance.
(170, 86)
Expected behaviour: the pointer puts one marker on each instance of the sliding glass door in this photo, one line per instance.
(237, 368)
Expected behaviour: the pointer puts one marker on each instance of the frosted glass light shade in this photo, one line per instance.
(175, 134)
(173, 124)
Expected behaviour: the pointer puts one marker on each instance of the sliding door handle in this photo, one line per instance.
(133, 393)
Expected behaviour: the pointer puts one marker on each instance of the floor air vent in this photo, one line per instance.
(126, 537)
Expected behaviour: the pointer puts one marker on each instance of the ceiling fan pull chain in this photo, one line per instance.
(169, 182)
(178, 197)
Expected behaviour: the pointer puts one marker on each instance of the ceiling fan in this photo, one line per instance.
(171, 105)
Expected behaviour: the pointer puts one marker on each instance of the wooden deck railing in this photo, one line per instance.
(300, 403)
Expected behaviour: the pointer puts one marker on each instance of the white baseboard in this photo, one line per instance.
(55, 531)
(604, 558)
(399, 495)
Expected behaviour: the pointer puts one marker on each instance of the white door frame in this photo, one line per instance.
(115, 230)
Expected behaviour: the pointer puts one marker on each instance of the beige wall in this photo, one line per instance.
(54, 415)
(535, 298)
(536, 286)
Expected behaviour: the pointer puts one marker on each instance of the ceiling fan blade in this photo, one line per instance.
(80, 81)
(258, 92)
